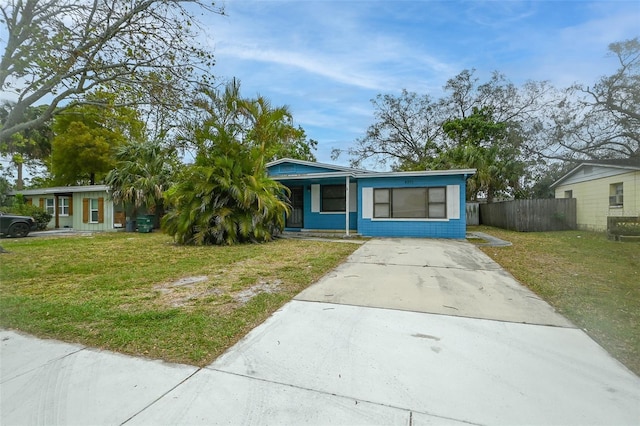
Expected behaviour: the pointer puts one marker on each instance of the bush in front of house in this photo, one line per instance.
(19, 207)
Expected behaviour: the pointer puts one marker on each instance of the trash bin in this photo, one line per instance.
(145, 224)
(130, 225)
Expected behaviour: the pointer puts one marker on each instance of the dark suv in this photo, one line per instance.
(16, 226)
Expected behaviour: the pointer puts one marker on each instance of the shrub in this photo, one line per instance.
(40, 215)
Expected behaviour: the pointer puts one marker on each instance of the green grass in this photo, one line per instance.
(118, 291)
(592, 281)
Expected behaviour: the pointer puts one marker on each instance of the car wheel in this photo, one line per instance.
(19, 230)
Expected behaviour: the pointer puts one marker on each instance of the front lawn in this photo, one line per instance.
(592, 281)
(143, 295)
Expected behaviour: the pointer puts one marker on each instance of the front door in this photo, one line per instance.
(295, 218)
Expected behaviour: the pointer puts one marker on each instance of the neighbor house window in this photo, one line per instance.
(93, 210)
(50, 206)
(410, 203)
(63, 206)
(616, 195)
(334, 198)
(568, 194)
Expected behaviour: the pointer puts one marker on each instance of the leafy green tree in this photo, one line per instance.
(86, 139)
(408, 130)
(488, 146)
(62, 50)
(226, 197)
(142, 174)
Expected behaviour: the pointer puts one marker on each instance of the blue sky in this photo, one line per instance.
(327, 59)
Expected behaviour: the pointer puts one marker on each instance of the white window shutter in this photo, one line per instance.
(315, 198)
(353, 197)
(453, 201)
(367, 203)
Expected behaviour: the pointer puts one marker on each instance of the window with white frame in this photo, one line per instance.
(63, 206)
(50, 206)
(616, 195)
(410, 203)
(93, 210)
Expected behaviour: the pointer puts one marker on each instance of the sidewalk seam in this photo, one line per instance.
(410, 411)
(45, 364)
(160, 397)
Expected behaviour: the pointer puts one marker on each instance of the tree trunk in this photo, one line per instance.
(19, 181)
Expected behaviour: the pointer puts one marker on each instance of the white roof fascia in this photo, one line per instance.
(301, 176)
(62, 189)
(581, 165)
(419, 173)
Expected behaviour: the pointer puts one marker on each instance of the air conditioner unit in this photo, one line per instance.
(616, 200)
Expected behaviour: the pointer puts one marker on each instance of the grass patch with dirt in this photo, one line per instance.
(141, 294)
(592, 281)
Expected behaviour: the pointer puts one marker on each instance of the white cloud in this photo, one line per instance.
(327, 59)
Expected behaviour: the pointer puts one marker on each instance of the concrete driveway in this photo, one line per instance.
(406, 332)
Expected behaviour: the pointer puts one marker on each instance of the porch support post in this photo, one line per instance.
(346, 207)
(56, 202)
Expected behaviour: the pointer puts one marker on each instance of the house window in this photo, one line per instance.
(381, 203)
(93, 210)
(334, 198)
(616, 198)
(568, 194)
(63, 206)
(50, 206)
(437, 202)
(410, 203)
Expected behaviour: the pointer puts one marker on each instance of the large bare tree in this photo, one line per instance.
(58, 50)
(602, 120)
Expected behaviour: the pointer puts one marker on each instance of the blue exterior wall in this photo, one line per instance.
(319, 220)
(431, 228)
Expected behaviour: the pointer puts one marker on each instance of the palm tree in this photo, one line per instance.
(226, 197)
(144, 171)
(230, 200)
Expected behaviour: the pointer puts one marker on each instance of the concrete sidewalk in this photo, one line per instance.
(406, 332)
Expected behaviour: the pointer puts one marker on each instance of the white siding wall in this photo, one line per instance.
(592, 199)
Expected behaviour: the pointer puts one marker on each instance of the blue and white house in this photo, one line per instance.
(427, 204)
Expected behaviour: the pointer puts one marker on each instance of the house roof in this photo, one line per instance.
(62, 190)
(314, 164)
(632, 163)
(341, 171)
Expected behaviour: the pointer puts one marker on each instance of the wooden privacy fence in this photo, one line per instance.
(554, 214)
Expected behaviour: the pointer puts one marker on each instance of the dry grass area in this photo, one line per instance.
(143, 295)
(592, 281)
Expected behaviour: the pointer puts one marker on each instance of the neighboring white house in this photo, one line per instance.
(83, 208)
(602, 188)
